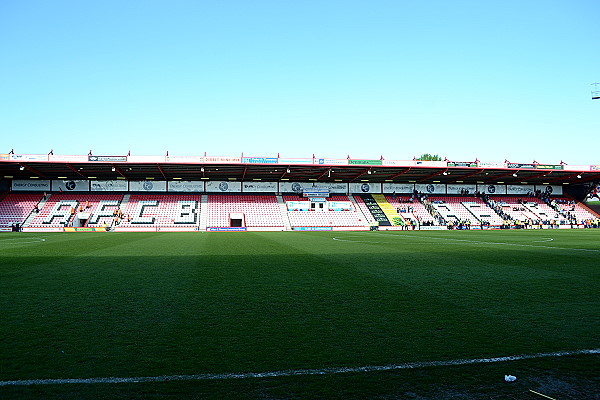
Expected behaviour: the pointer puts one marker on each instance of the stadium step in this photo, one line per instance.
(376, 211)
(284, 214)
(33, 214)
(203, 212)
(389, 210)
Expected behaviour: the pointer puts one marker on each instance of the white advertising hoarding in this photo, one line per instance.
(29, 157)
(109, 186)
(399, 163)
(294, 160)
(71, 186)
(31, 186)
(145, 159)
(59, 158)
(299, 187)
(184, 159)
(185, 186)
(270, 187)
(491, 189)
(430, 188)
(331, 161)
(223, 186)
(222, 160)
(437, 164)
(521, 190)
(148, 186)
(456, 188)
(550, 189)
(365, 187)
(398, 188)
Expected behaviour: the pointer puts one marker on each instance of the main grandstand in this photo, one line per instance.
(166, 193)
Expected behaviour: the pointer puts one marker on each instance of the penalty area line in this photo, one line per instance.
(294, 372)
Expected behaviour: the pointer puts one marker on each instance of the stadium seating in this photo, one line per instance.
(56, 212)
(15, 207)
(404, 204)
(257, 210)
(161, 210)
(326, 218)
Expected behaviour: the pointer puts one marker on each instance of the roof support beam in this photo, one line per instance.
(35, 171)
(432, 175)
(75, 170)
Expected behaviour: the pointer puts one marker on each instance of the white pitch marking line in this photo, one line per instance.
(14, 241)
(294, 372)
(469, 241)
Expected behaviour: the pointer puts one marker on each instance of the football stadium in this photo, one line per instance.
(268, 277)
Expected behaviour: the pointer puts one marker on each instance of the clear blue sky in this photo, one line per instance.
(492, 79)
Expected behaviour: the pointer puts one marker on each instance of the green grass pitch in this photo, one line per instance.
(97, 305)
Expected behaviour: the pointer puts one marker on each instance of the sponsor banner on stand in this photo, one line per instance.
(365, 187)
(148, 186)
(365, 162)
(546, 166)
(522, 190)
(4, 157)
(524, 166)
(185, 186)
(176, 229)
(5, 229)
(437, 164)
(29, 157)
(340, 205)
(222, 160)
(550, 189)
(71, 186)
(431, 188)
(31, 186)
(259, 160)
(331, 161)
(301, 187)
(145, 159)
(298, 205)
(41, 229)
(433, 228)
(469, 164)
(461, 188)
(226, 229)
(270, 187)
(85, 229)
(313, 228)
(109, 186)
(60, 158)
(184, 159)
(265, 229)
(135, 229)
(492, 189)
(107, 158)
(295, 161)
(223, 187)
(491, 164)
(398, 188)
(581, 168)
(399, 163)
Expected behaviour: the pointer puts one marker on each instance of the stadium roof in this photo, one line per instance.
(277, 169)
